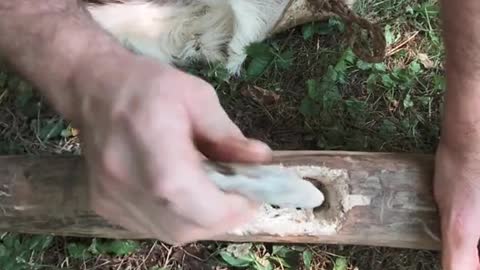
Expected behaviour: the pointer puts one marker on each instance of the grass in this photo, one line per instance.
(303, 89)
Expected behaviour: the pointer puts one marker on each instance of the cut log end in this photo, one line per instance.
(300, 12)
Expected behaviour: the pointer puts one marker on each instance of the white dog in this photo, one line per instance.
(184, 31)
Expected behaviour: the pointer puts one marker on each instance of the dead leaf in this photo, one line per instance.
(239, 250)
(393, 106)
(192, 257)
(75, 132)
(425, 60)
(261, 95)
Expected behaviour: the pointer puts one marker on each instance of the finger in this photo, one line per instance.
(217, 137)
(127, 206)
(459, 243)
(174, 168)
(234, 149)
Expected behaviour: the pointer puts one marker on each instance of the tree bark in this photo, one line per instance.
(375, 199)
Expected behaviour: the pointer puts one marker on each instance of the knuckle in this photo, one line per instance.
(124, 115)
(207, 92)
(166, 190)
(111, 169)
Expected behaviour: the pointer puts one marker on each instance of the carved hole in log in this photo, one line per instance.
(325, 206)
(320, 186)
(331, 210)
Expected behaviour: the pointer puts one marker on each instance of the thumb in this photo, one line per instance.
(218, 138)
(459, 244)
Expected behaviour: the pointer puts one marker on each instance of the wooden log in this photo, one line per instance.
(300, 12)
(376, 199)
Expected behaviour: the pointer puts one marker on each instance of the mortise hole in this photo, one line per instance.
(319, 185)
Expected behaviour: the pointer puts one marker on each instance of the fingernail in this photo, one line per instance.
(260, 148)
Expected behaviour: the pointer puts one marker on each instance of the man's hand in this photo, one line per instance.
(457, 170)
(144, 126)
(141, 137)
(457, 191)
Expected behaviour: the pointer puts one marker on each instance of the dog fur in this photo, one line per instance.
(186, 31)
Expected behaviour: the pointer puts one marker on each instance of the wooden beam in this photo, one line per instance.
(376, 199)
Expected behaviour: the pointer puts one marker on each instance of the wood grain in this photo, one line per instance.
(49, 195)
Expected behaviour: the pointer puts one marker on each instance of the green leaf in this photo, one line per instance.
(345, 61)
(327, 28)
(67, 132)
(96, 247)
(425, 100)
(17, 245)
(121, 247)
(340, 264)
(439, 82)
(380, 67)
(331, 97)
(307, 258)
(285, 256)
(407, 102)
(372, 81)
(266, 265)
(389, 37)
(40, 242)
(362, 65)
(258, 50)
(335, 23)
(3, 251)
(258, 65)
(3, 79)
(312, 89)
(285, 60)
(387, 129)
(308, 30)
(52, 129)
(387, 81)
(349, 56)
(236, 262)
(25, 94)
(239, 250)
(77, 251)
(415, 67)
(356, 109)
(281, 251)
(331, 74)
(308, 107)
(218, 73)
(409, 9)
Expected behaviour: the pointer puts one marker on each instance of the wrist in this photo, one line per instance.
(95, 65)
(107, 79)
(461, 115)
(97, 78)
(63, 63)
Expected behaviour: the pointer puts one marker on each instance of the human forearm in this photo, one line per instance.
(51, 43)
(461, 26)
